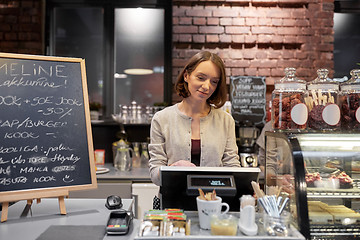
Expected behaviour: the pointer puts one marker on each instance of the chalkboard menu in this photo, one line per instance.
(248, 99)
(45, 129)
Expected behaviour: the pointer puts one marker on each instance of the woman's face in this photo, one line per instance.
(202, 82)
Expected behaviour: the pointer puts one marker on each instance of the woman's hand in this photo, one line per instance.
(183, 163)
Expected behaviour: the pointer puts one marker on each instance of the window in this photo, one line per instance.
(346, 37)
(117, 40)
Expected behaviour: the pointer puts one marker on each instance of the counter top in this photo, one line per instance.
(135, 175)
(80, 213)
(85, 214)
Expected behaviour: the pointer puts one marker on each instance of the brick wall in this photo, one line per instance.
(21, 28)
(256, 37)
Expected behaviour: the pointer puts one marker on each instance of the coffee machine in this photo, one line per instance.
(248, 133)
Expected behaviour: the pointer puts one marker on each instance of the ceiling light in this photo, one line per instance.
(120, 75)
(138, 71)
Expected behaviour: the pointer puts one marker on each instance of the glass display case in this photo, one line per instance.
(320, 172)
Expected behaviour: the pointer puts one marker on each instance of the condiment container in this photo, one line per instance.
(349, 101)
(322, 102)
(223, 224)
(288, 110)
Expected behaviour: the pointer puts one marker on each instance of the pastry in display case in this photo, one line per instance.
(320, 171)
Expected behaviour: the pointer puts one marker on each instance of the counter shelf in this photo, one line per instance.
(304, 164)
(197, 233)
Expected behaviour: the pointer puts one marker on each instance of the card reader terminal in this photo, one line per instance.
(119, 222)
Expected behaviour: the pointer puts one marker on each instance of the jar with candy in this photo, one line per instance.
(322, 102)
(288, 110)
(349, 101)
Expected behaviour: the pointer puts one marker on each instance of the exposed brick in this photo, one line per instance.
(237, 30)
(236, 54)
(250, 39)
(261, 54)
(250, 71)
(249, 53)
(11, 36)
(212, 38)
(264, 72)
(213, 21)
(198, 13)
(249, 12)
(185, 20)
(238, 38)
(185, 38)
(262, 30)
(180, 12)
(262, 38)
(199, 21)
(185, 29)
(237, 71)
(239, 21)
(225, 38)
(290, 39)
(237, 63)
(211, 29)
(225, 13)
(226, 21)
(251, 21)
(5, 27)
(199, 38)
(274, 54)
(276, 21)
(264, 21)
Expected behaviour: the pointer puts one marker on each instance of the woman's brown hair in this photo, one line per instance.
(219, 97)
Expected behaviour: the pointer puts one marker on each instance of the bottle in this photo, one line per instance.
(137, 156)
(288, 110)
(322, 102)
(144, 155)
(124, 114)
(349, 102)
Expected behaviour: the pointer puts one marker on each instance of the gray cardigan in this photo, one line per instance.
(170, 140)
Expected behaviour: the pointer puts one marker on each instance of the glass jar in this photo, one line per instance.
(288, 110)
(322, 102)
(349, 101)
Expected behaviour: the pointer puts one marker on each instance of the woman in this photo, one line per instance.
(195, 132)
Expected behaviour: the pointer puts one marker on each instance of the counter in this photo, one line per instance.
(81, 213)
(115, 182)
(90, 215)
(135, 175)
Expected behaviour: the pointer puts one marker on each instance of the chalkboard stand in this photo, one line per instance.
(30, 196)
(49, 95)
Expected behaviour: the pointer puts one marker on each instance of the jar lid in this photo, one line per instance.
(353, 82)
(290, 81)
(322, 81)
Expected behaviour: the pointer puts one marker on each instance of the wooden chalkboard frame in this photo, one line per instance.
(60, 191)
(245, 92)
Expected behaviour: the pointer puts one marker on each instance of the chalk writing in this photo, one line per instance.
(42, 125)
(247, 95)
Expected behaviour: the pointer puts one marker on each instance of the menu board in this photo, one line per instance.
(45, 132)
(248, 99)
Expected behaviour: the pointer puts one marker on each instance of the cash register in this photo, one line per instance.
(179, 185)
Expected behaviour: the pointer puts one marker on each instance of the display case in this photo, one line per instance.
(320, 172)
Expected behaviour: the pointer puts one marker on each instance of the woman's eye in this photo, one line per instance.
(215, 81)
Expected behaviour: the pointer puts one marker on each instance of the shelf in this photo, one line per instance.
(330, 230)
(335, 193)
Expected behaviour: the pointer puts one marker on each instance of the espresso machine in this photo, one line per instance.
(248, 133)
